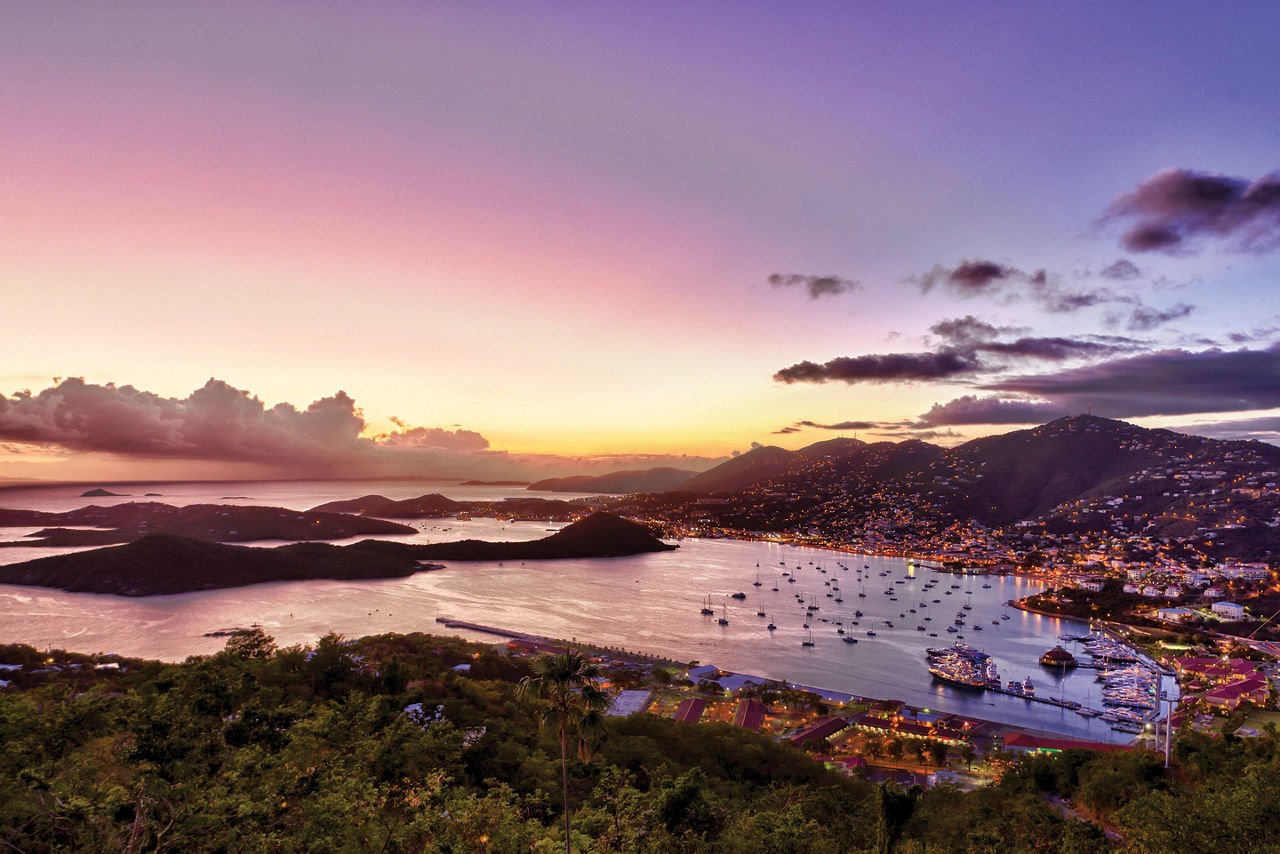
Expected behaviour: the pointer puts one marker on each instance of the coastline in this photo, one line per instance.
(983, 727)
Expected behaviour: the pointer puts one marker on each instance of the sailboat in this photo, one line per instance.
(808, 638)
(724, 615)
(706, 606)
(757, 582)
(771, 627)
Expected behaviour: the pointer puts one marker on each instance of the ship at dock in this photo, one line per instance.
(962, 667)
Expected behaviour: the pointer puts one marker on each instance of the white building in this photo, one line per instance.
(1228, 610)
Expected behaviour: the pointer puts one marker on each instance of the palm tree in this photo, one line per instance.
(574, 702)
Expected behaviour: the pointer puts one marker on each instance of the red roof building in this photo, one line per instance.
(690, 710)
(1229, 697)
(749, 714)
(819, 729)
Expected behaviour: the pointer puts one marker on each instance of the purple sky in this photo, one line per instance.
(625, 233)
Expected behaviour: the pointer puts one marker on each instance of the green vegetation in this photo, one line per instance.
(258, 748)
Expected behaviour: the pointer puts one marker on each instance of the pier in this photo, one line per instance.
(542, 640)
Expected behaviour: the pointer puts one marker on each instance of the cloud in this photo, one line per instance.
(783, 431)
(223, 424)
(1144, 318)
(971, 409)
(842, 425)
(1263, 429)
(1258, 333)
(433, 437)
(988, 278)
(967, 330)
(1122, 270)
(888, 367)
(216, 421)
(1167, 382)
(950, 362)
(1178, 210)
(817, 286)
(968, 278)
(1050, 348)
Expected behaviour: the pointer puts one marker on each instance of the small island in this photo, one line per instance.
(159, 564)
(228, 523)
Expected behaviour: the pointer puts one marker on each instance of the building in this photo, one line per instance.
(1176, 615)
(820, 729)
(1229, 697)
(1228, 610)
(690, 710)
(749, 714)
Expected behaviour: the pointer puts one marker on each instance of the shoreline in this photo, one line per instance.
(985, 727)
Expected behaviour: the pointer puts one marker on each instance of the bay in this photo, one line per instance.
(648, 603)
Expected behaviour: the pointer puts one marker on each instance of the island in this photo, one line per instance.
(159, 564)
(231, 523)
(101, 493)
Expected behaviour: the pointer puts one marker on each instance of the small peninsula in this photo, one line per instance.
(159, 564)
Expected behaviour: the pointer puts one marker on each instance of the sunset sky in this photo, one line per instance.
(474, 239)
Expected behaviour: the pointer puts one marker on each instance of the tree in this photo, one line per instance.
(574, 703)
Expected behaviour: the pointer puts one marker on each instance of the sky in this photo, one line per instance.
(522, 239)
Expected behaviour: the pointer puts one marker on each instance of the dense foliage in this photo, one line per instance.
(258, 748)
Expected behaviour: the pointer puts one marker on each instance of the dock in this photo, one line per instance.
(489, 630)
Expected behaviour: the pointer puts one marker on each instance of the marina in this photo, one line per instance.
(869, 646)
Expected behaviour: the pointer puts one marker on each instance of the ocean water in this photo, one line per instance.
(649, 603)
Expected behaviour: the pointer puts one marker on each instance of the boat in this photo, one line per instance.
(1028, 687)
(757, 582)
(771, 627)
(961, 666)
(871, 633)
(848, 639)
(1058, 657)
(808, 640)
(724, 616)
(706, 606)
(737, 596)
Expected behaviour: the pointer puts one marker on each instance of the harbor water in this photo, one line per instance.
(649, 603)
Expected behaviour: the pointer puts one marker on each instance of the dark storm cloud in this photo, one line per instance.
(1168, 382)
(1144, 318)
(1177, 210)
(817, 286)
(888, 367)
(1122, 270)
(971, 409)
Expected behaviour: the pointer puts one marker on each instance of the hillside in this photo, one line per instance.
(619, 482)
(165, 564)
(755, 466)
(1077, 476)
